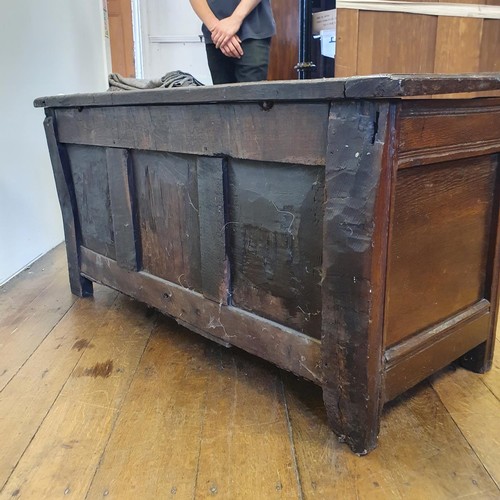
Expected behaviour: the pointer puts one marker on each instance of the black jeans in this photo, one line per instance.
(252, 67)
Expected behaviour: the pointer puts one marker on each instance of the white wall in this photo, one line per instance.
(46, 47)
(170, 39)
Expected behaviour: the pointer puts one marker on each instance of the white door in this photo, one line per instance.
(169, 33)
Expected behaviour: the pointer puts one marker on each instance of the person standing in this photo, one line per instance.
(237, 38)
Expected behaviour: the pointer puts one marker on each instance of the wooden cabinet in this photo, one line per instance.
(121, 37)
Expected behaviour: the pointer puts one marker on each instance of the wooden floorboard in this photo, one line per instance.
(156, 440)
(473, 402)
(245, 420)
(20, 291)
(28, 398)
(66, 449)
(107, 399)
(421, 454)
(29, 309)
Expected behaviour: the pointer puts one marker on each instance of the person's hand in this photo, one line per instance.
(232, 48)
(224, 30)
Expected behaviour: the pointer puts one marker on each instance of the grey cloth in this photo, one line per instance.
(257, 25)
(173, 79)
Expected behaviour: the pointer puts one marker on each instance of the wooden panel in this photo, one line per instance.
(214, 266)
(435, 132)
(303, 91)
(237, 130)
(237, 92)
(167, 204)
(480, 359)
(435, 333)
(121, 37)
(346, 56)
(421, 363)
(396, 85)
(366, 43)
(366, 39)
(356, 219)
(90, 179)
(440, 243)
(123, 210)
(458, 43)
(490, 42)
(384, 43)
(275, 230)
(283, 346)
(285, 44)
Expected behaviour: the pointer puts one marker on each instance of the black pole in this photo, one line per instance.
(305, 65)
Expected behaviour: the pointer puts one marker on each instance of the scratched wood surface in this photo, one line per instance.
(111, 400)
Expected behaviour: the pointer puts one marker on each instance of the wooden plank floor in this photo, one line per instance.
(104, 398)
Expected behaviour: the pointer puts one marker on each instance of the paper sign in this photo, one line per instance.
(324, 20)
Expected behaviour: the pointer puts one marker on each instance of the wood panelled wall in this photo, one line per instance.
(121, 37)
(285, 44)
(391, 42)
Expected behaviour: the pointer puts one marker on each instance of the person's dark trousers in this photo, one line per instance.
(252, 67)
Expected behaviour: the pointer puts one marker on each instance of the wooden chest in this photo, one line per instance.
(332, 227)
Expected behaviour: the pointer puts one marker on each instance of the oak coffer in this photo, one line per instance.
(345, 229)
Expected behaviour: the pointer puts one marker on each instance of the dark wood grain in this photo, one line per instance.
(422, 340)
(480, 359)
(356, 220)
(167, 205)
(236, 92)
(330, 88)
(275, 232)
(438, 131)
(124, 214)
(431, 357)
(287, 132)
(62, 174)
(214, 264)
(285, 347)
(395, 85)
(90, 181)
(439, 245)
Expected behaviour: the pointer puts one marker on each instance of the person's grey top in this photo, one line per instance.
(258, 24)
